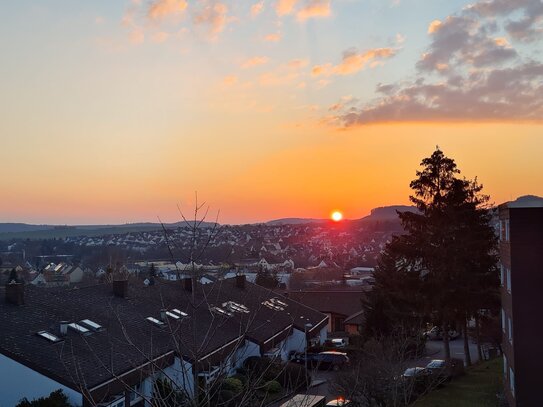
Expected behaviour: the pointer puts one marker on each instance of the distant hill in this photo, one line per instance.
(294, 221)
(28, 231)
(389, 212)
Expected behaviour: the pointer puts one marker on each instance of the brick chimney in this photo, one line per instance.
(120, 288)
(15, 293)
(240, 281)
(187, 284)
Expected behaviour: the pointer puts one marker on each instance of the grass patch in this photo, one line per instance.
(477, 388)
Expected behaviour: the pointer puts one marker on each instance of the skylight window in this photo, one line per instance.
(173, 315)
(181, 313)
(272, 306)
(220, 311)
(92, 325)
(155, 321)
(235, 307)
(79, 328)
(49, 336)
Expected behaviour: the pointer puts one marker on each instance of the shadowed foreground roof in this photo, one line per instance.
(128, 339)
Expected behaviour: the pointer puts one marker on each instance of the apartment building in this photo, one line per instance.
(521, 256)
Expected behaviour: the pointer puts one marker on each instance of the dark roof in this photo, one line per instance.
(358, 318)
(128, 339)
(345, 302)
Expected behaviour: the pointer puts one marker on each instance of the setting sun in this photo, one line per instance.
(337, 216)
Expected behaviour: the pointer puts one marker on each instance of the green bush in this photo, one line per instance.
(273, 386)
(55, 399)
(241, 377)
(233, 385)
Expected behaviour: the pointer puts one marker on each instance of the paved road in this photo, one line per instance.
(434, 350)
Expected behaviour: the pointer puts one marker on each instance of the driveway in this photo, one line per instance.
(434, 350)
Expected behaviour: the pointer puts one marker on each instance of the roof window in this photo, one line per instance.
(79, 328)
(49, 336)
(92, 325)
(155, 321)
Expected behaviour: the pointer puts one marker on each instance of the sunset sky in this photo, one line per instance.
(117, 111)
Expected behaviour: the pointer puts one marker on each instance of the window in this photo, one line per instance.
(507, 230)
(508, 286)
(502, 274)
(79, 328)
(504, 366)
(155, 321)
(91, 324)
(50, 337)
(512, 381)
(510, 329)
(503, 320)
(181, 313)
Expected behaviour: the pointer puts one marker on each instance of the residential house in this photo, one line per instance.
(107, 344)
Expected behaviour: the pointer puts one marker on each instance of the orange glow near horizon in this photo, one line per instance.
(337, 216)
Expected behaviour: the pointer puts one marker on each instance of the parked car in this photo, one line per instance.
(413, 372)
(436, 334)
(331, 360)
(336, 343)
(339, 402)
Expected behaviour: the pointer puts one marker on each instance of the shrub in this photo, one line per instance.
(232, 384)
(273, 386)
(55, 399)
(293, 377)
(241, 377)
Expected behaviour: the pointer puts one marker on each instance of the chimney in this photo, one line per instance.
(120, 288)
(15, 293)
(163, 316)
(187, 284)
(240, 281)
(63, 328)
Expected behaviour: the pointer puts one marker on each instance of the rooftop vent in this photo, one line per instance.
(187, 284)
(15, 293)
(120, 288)
(240, 281)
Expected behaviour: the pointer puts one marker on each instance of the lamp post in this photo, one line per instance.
(307, 327)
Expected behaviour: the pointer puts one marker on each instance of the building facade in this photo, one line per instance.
(521, 273)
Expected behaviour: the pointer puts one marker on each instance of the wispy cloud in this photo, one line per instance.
(254, 61)
(314, 9)
(213, 15)
(163, 8)
(354, 61)
(274, 37)
(257, 8)
(284, 7)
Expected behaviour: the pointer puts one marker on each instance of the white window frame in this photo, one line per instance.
(512, 381)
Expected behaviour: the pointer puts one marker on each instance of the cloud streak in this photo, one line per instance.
(353, 62)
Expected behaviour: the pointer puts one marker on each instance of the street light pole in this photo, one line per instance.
(307, 327)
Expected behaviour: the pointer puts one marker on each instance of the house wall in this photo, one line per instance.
(18, 381)
(295, 342)
(243, 352)
(180, 374)
(323, 335)
(76, 275)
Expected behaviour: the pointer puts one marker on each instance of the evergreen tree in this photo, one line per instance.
(443, 267)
